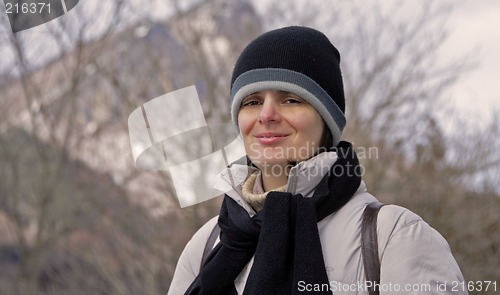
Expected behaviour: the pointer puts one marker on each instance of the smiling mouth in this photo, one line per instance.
(270, 135)
(270, 138)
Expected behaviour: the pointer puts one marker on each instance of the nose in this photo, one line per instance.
(269, 111)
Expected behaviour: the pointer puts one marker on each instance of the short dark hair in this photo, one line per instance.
(326, 141)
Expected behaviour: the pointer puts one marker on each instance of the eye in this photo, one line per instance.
(250, 102)
(290, 100)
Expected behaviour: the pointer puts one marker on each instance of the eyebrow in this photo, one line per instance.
(279, 92)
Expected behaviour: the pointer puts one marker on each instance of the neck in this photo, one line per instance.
(274, 180)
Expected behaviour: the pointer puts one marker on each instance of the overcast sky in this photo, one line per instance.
(475, 27)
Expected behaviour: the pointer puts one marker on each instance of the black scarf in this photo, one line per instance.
(283, 237)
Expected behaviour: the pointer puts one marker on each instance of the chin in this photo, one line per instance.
(269, 163)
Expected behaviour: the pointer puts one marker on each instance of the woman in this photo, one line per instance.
(293, 226)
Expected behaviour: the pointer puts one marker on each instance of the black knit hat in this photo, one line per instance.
(295, 59)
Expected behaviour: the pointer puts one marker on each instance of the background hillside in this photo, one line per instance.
(76, 216)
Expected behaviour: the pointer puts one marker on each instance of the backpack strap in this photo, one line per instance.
(214, 234)
(369, 246)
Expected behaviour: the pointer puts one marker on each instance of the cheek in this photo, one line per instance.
(244, 123)
(311, 125)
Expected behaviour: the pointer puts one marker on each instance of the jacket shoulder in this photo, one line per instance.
(411, 251)
(196, 245)
(394, 218)
(188, 265)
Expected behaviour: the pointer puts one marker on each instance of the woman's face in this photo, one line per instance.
(279, 128)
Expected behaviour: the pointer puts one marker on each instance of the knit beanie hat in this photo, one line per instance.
(298, 60)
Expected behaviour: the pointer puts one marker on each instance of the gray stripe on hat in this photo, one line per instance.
(294, 82)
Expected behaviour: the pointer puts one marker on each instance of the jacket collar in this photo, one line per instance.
(303, 178)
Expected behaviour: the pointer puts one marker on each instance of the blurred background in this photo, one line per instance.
(76, 216)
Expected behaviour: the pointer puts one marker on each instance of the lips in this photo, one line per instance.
(268, 138)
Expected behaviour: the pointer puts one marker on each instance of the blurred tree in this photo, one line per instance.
(87, 221)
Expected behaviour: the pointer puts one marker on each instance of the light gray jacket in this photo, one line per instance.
(415, 258)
